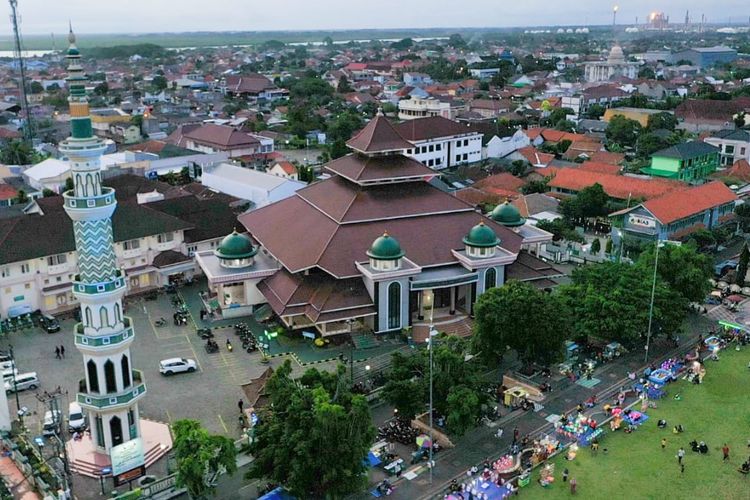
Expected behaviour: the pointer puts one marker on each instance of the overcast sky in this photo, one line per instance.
(133, 16)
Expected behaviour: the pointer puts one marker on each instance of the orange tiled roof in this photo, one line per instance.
(616, 186)
(680, 204)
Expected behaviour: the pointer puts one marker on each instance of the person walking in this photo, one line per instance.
(57, 353)
(663, 443)
(682, 468)
(573, 486)
(240, 405)
(515, 434)
(62, 351)
(680, 455)
(565, 475)
(725, 451)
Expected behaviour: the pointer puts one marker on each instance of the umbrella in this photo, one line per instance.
(746, 290)
(735, 288)
(423, 441)
(722, 284)
(735, 298)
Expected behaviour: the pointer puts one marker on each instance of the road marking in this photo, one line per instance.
(169, 417)
(221, 421)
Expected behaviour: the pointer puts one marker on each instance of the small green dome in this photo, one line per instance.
(481, 236)
(507, 215)
(385, 247)
(236, 246)
(72, 51)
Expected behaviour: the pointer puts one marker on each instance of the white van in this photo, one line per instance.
(51, 422)
(23, 381)
(76, 418)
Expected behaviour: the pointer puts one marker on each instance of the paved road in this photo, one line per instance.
(481, 443)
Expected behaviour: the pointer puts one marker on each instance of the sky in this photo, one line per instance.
(146, 16)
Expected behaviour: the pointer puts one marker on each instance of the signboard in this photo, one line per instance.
(635, 220)
(128, 461)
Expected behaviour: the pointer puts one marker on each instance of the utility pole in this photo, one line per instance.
(28, 133)
(52, 402)
(653, 294)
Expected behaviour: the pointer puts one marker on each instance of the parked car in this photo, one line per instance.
(24, 381)
(177, 365)
(9, 373)
(51, 425)
(76, 418)
(49, 323)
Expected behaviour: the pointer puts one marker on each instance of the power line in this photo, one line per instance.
(28, 133)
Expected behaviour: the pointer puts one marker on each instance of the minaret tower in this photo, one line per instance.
(111, 389)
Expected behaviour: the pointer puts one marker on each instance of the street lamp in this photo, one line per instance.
(659, 244)
(432, 335)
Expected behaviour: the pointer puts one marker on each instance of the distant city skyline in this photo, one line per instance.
(41, 17)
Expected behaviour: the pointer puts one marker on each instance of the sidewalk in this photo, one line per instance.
(19, 487)
(481, 443)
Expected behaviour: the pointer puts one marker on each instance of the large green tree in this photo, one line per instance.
(590, 202)
(314, 436)
(611, 301)
(682, 267)
(622, 131)
(667, 121)
(742, 265)
(201, 457)
(16, 152)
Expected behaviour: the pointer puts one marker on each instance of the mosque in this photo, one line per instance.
(614, 66)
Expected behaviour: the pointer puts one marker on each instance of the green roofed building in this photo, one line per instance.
(687, 161)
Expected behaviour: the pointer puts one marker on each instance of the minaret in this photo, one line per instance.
(111, 389)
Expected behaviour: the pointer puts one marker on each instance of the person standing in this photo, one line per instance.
(515, 434)
(725, 451)
(663, 443)
(240, 405)
(565, 475)
(573, 486)
(57, 353)
(62, 351)
(680, 455)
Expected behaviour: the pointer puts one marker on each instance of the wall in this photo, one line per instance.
(665, 164)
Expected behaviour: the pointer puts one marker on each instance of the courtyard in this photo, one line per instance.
(635, 466)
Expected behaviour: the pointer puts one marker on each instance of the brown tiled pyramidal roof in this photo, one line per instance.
(378, 136)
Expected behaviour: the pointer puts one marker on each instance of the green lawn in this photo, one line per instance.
(636, 467)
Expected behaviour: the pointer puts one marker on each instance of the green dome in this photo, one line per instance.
(482, 236)
(385, 247)
(236, 246)
(507, 215)
(72, 51)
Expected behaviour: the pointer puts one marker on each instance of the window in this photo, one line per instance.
(742, 151)
(131, 244)
(490, 278)
(125, 366)
(99, 431)
(466, 142)
(729, 149)
(438, 147)
(191, 250)
(394, 305)
(165, 237)
(27, 286)
(93, 376)
(466, 157)
(5, 272)
(458, 158)
(432, 148)
(55, 260)
(24, 268)
(109, 376)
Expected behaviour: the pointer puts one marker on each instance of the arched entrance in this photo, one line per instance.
(115, 430)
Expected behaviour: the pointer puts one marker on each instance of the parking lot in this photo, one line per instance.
(210, 394)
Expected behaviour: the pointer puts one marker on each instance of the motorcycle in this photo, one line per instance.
(211, 347)
(205, 333)
(229, 345)
(160, 322)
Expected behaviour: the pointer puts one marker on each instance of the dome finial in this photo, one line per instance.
(71, 35)
(380, 111)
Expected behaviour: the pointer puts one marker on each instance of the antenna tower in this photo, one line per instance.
(28, 132)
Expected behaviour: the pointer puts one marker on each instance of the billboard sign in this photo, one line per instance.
(128, 461)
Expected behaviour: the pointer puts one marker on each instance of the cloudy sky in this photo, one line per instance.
(133, 16)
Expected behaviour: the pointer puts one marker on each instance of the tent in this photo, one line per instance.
(277, 494)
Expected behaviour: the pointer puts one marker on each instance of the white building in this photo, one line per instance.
(734, 145)
(257, 187)
(416, 107)
(441, 143)
(500, 147)
(614, 66)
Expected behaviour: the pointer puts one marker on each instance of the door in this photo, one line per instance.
(115, 430)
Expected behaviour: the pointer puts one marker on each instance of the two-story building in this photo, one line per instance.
(417, 107)
(156, 229)
(734, 145)
(441, 143)
(688, 161)
(252, 86)
(677, 214)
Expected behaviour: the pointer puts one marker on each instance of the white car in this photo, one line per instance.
(51, 422)
(76, 418)
(177, 365)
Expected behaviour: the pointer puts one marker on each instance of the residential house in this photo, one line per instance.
(440, 143)
(677, 214)
(641, 115)
(708, 115)
(733, 145)
(415, 107)
(212, 138)
(251, 86)
(490, 108)
(417, 79)
(532, 156)
(688, 161)
(569, 181)
(500, 147)
(284, 169)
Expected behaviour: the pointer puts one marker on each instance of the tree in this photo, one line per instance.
(535, 186)
(159, 82)
(101, 88)
(742, 266)
(36, 88)
(403, 44)
(407, 396)
(647, 73)
(21, 197)
(596, 246)
(328, 41)
(137, 120)
(69, 185)
(739, 119)
(704, 238)
(623, 131)
(314, 436)
(561, 230)
(647, 144)
(16, 152)
(590, 202)
(46, 193)
(343, 86)
(201, 457)
(456, 41)
(666, 121)
(595, 111)
(463, 406)
(565, 126)
(681, 266)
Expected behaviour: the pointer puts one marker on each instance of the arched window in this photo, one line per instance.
(490, 278)
(125, 366)
(103, 317)
(115, 430)
(93, 376)
(394, 305)
(118, 313)
(109, 376)
(89, 317)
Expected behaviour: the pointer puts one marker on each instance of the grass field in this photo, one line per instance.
(636, 467)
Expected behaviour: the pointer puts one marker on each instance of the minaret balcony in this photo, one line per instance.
(113, 401)
(101, 292)
(90, 207)
(99, 343)
(89, 147)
